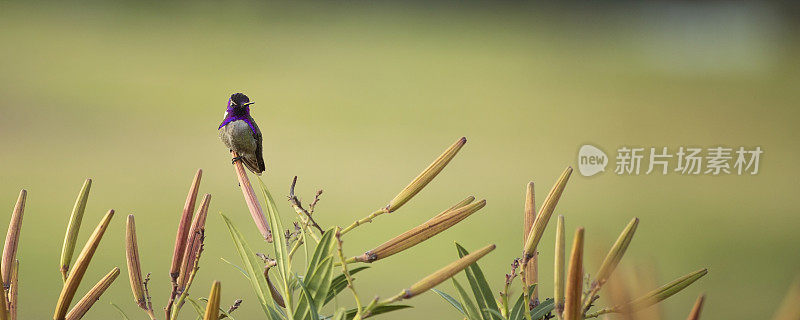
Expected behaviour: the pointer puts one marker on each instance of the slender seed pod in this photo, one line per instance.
(543, 217)
(559, 267)
(426, 176)
(74, 226)
(460, 204)
(421, 233)
(212, 307)
(13, 292)
(92, 296)
(183, 226)
(615, 254)
(445, 273)
(574, 289)
(698, 307)
(12, 238)
(134, 265)
(194, 242)
(79, 268)
(532, 267)
(666, 290)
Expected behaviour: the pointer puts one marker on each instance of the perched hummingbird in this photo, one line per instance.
(241, 134)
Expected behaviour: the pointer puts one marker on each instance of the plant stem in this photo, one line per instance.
(347, 273)
(591, 297)
(364, 220)
(601, 312)
(526, 298)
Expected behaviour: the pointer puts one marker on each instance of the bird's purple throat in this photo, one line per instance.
(234, 113)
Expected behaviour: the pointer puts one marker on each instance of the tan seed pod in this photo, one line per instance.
(12, 238)
(426, 176)
(421, 233)
(79, 268)
(574, 288)
(698, 307)
(183, 226)
(134, 265)
(666, 290)
(194, 242)
(615, 254)
(543, 217)
(92, 296)
(445, 273)
(212, 307)
(559, 266)
(73, 228)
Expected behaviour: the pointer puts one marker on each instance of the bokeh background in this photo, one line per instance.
(357, 97)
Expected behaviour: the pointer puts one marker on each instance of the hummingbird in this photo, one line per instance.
(240, 133)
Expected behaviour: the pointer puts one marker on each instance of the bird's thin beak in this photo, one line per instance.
(249, 103)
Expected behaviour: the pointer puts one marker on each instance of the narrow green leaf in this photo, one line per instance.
(543, 309)
(378, 310)
(121, 313)
(478, 283)
(309, 300)
(453, 302)
(244, 273)
(340, 283)
(516, 312)
(469, 307)
(253, 268)
(317, 285)
(494, 313)
(197, 308)
(279, 242)
(323, 250)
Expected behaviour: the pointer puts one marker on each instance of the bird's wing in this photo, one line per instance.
(259, 147)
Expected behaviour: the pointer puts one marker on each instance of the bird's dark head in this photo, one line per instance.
(239, 100)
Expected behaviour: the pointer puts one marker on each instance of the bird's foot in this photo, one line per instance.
(239, 158)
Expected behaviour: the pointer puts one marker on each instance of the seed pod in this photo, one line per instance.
(615, 254)
(666, 291)
(421, 233)
(183, 227)
(445, 273)
(559, 266)
(543, 217)
(134, 265)
(74, 227)
(13, 292)
(92, 296)
(532, 267)
(426, 176)
(79, 269)
(194, 242)
(460, 204)
(698, 306)
(212, 307)
(574, 289)
(12, 238)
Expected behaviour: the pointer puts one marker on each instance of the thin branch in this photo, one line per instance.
(298, 207)
(314, 203)
(148, 300)
(346, 273)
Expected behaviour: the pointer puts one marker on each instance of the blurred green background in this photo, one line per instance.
(357, 97)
